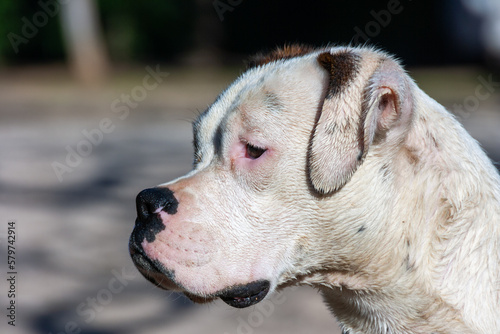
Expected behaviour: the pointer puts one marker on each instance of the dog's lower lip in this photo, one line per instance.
(246, 295)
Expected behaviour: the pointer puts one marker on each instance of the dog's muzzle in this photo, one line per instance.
(150, 202)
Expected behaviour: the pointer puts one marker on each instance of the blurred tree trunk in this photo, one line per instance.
(83, 39)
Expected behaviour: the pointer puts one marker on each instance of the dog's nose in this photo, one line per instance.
(153, 200)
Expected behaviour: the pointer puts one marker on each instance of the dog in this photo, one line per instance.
(329, 167)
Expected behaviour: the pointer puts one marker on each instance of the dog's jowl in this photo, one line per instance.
(330, 167)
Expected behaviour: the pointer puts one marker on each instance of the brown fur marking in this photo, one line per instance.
(285, 52)
(342, 67)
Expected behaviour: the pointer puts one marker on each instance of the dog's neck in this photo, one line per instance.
(435, 216)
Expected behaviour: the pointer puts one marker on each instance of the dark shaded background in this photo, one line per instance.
(424, 32)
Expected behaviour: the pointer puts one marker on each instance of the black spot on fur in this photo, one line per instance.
(384, 170)
(218, 140)
(273, 102)
(342, 67)
(410, 266)
(330, 128)
(196, 137)
(361, 229)
(196, 146)
(360, 155)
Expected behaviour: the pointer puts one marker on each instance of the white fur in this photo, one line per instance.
(407, 240)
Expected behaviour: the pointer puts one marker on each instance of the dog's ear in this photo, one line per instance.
(355, 112)
(388, 104)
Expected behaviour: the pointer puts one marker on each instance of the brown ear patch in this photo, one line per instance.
(342, 68)
(285, 52)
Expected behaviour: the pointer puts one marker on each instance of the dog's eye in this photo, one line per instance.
(254, 152)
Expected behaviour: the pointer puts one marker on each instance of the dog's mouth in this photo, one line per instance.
(239, 296)
(242, 296)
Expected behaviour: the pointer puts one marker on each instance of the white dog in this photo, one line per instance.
(330, 167)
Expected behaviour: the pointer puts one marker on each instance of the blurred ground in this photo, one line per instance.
(74, 272)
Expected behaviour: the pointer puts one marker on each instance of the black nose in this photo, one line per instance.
(153, 200)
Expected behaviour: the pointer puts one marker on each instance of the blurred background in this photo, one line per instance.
(96, 100)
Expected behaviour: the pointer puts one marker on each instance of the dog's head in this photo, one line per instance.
(278, 171)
